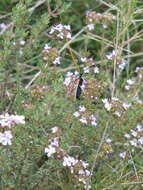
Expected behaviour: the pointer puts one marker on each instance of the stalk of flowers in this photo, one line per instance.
(129, 84)
(60, 31)
(78, 168)
(92, 89)
(6, 123)
(135, 136)
(85, 116)
(121, 63)
(116, 106)
(51, 55)
(93, 18)
(139, 71)
(90, 65)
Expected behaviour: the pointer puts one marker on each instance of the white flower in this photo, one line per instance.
(67, 81)
(82, 109)
(84, 164)
(134, 133)
(67, 27)
(47, 47)
(127, 136)
(108, 140)
(86, 69)
(2, 25)
(127, 87)
(61, 35)
(83, 120)
(69, 74)
(54, 141)
(57, 61)
(105, 26)
(87, 172)
(140, 140)
(69, 35)
(50, 150)
(111, 55)
(96, 70)
(90, 27)
(93, 123)
(69, 161)
(117, 113)
(133, 142)
(5, 138)
(82, 172)
(139, 127)
(76, 114)
(54, 129)
(10, 120)
(83, 59)
(122, 154)
(122, 64)
(130, 81)
(126, 106)
(22, 42)
(107, 105)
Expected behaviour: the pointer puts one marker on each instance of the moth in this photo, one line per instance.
(74, 89)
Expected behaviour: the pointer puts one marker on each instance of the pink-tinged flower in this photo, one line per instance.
(7, 120)
(76, 114)
(83, 59)
(69, 161)
(50, 151)
(107, 105)
(47, 47)
(57, 61)
(54, 141)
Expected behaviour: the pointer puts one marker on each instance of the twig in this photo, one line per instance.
(97, 152)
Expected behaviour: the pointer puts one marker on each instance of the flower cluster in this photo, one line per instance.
(92, 89)
(7, 122)
(78, 168)
(130, 83)
(93, 18)
(71, 83)
(51, 55)
(85, 117)
(90, 65)
(61, 31)
(139, 71)
(135, 137)
(121, 63)
(39, 91)
(116, 106)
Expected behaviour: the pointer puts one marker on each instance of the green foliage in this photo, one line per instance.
(33, 85)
